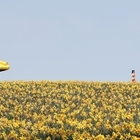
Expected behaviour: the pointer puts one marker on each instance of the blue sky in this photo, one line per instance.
(70, 40)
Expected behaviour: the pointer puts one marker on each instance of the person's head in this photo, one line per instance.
(133, 71)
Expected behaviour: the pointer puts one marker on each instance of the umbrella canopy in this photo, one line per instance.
(4, 66)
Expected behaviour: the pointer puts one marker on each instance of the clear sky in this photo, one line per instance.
(93, 40)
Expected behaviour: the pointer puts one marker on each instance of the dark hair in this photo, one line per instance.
(133, 71)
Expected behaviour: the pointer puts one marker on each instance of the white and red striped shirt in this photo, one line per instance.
(133, 76)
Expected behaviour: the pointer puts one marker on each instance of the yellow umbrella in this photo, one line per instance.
(4, 66)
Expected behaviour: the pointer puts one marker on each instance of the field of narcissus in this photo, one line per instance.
(69, 110)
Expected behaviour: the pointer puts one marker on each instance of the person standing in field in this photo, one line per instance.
(133, 76)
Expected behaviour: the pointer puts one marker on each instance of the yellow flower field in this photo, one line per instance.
(69, 110)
